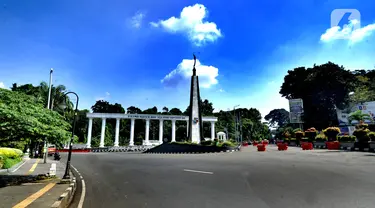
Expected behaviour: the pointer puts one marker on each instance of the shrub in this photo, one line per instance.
(372, 136)
(287, 135)
(362, 134)
(321, 137)
(299, 134)
(346, 138)
(10, 153)
(331, 133)
(207, 143)
(1, 161)
(9, 162)
(362, 126)
(226, 144)
(311, 134)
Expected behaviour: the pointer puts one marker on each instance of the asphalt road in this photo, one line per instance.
(291, 179)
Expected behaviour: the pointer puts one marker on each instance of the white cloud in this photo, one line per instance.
(137, 19)
(2, 85)
(207, 74)
(191, 22)
(107, 94)
(221, 90)
(348, 32)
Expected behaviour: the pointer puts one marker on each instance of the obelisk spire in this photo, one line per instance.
(195, 61)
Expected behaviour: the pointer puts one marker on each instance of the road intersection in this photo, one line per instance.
(293, 178)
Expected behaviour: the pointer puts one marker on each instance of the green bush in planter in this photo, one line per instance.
(321, 137)
(311, 134)
(299, 135)
(362, 135)
(362, 126)
(331, 133)
(346, 138)
(372, 136)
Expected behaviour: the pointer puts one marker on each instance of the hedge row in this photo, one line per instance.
(9, 157)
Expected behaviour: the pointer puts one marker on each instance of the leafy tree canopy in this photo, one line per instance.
(278, 117)
(21, 118)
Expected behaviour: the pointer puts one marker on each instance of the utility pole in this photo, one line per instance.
(48, 107)
(235, 122)
(240, 124)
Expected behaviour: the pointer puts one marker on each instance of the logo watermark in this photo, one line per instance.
(347, 19)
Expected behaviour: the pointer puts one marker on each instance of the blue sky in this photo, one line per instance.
(140, 52)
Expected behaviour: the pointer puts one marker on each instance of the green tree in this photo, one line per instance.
(278, 117)
(24, 120)
(323, 88)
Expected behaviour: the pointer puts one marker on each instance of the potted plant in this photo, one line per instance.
(361, 132)
(362, 137)
(265, 142)
(331, 134)
(347, 141)
(282, 146)
(261, 147)
(320, 139)
(287, 136)
(299, 134)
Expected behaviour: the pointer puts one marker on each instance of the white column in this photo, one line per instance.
(103, 133)
(131, 142)
(173, 130)
(89, 134)
(147, 133)
(117, 132)
(212, 130)
(187, 128)
(161, 123)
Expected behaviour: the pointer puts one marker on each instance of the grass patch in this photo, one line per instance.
(9, 162)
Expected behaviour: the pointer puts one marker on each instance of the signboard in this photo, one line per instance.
(366, 108)
(296, 110)
(140, 116)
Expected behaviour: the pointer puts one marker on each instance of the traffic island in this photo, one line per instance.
(192, 148)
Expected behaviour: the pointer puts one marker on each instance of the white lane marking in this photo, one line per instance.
(83, 193)
(19, 166)
(198, 171)
(82, 199)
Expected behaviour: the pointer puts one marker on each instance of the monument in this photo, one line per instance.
(195, 116)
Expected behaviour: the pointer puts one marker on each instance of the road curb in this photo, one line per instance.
(66, 198)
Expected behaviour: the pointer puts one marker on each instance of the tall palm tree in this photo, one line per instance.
(57, 96)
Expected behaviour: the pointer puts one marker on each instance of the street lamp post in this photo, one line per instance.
(67, 169)
(45, 148)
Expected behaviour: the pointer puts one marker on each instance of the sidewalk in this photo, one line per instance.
(26, 189)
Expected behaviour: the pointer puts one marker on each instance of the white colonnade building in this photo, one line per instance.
(146, 117)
